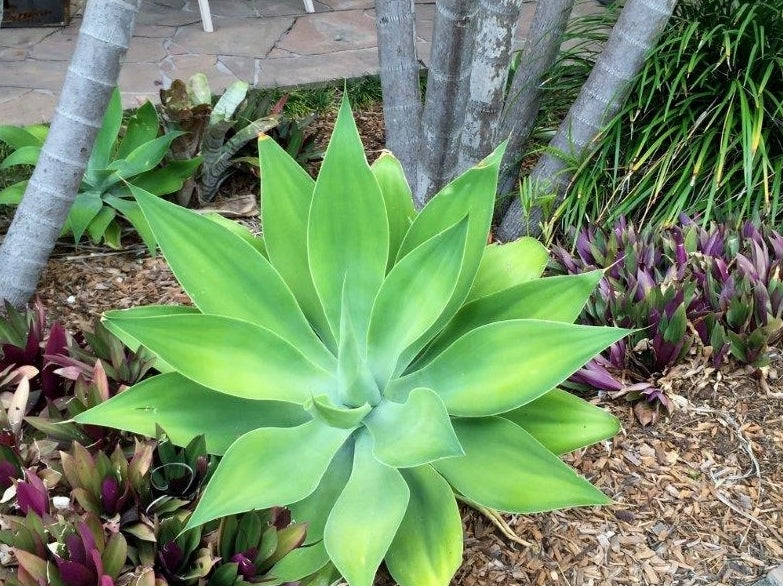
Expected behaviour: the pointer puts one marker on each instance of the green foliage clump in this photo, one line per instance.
(702, 128)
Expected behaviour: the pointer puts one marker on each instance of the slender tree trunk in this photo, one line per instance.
(495, 29)
(103, 41)
(637, 29)
(447, 90)
(399, 67)
(524, 97)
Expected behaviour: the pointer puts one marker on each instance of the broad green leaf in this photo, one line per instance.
(17, 137)
(224, 275)
(112, 235)
(143, 127)
(413, 433)
(186, 409)
(168, 179)
(26, 155)
(398, 198)
(301, 562)
(286, 194)
(355, 383)
(228, 355)
(100, 223)
(347, 231)
(471, 194)
(506, 469)
(427, 550)
(238, 229)
(141, 159)
(13, 194)
(412, 297)
(559, 298)
(337, 416)
(132, 212)
(564, 422)
(85, 207)
(505, 265)
(314, 510)
(366, 516)
(250, 474)
(501, 366)
(107, 135)
(228, 103)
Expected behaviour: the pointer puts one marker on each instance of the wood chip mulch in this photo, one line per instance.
(698, 497)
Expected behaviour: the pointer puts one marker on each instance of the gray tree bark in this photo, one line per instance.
(495, 29)
(447, 90)
(524, 97)
(103, 40)
(399, 67)
(637, 29)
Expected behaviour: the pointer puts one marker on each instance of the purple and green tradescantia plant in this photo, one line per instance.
(365, 363)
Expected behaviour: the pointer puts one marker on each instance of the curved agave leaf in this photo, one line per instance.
(347, 231)
(355, 383)
(398, 198)
(315, 509)
(228, 355)
(142, 128)
(267, 467)
(286, 195)
(173, 402)
(559, 298)
(366, 515)
(224, 275)
(512, 363)
(506, 469)
(412, 298)
(505, 265)
(427, 550)
(563, 422)
(414, 433)
(301, 563)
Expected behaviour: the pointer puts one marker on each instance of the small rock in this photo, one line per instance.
(773, 578)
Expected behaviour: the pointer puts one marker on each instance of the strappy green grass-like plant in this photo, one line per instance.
(368, 365)
(701, 131)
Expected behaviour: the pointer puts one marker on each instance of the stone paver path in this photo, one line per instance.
(264, 42)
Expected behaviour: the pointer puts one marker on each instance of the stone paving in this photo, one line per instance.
(264, 42)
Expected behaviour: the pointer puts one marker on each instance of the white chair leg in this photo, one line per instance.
(309, 6)
(206, 15)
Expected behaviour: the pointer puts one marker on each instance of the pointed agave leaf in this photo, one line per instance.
(249, 475)
(244, 233)
(286, 195)
(506, 469)
(505, 265)
(347, 232)
(172, 402)
(563, 422)
(142, 128)
(355, 383)
(412, 298)
(85, 207)
(314, 510)
(337, 416)
(366, 516)
(17, 137)
(559, 298)
(224, 275)
(228, 355)
(13, 194)
(471, 194)
(413, 433)
(512, 363)
(427, 550)
(398, 197)
(107, 136)
(133, 213)
(26, 155)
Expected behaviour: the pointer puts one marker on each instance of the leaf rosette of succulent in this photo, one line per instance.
(366, 363)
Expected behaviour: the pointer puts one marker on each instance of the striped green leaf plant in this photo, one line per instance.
(365, 363)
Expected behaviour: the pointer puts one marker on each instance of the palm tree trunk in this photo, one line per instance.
(524, 97)
(92, 75)
(447, 90)
(637, 29)
(399, 68)
(495, 29)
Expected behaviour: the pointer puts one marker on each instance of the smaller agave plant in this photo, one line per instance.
(366, 363)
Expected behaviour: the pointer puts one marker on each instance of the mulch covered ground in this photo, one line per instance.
(698, 495)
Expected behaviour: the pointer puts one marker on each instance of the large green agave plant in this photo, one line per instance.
(367, 363)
